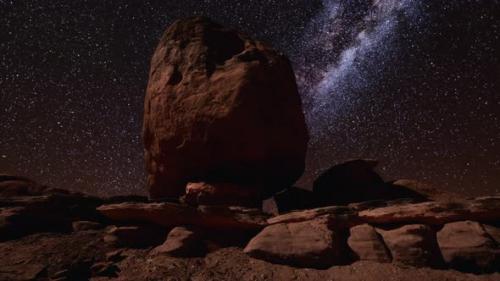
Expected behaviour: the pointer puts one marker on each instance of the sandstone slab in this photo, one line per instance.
(173, 214)
(484, 209)
(341, 214)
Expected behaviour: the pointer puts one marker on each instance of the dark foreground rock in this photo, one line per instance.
(82, 255)
(357, 181)
(220, 107)
(115, 237)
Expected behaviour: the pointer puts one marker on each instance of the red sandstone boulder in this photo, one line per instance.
(466, 246)
(413, 244)
(307, 244)
(220, 107)
(201, 193)
(181, 242)
(367, 244)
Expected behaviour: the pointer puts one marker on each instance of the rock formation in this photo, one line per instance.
(223, 129)
(220, 107)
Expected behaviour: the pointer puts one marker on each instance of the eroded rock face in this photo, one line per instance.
(413, 244)
(181, 241)
(220, 107)
(466, 246)
(307, 244)
(367, 244)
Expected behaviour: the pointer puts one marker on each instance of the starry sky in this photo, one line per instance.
(412, 83)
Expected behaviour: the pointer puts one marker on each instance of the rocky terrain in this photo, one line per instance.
(225, 141)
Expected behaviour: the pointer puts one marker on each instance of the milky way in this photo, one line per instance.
(343, 71)
(411, 83)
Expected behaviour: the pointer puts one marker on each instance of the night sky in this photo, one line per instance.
(414, 84)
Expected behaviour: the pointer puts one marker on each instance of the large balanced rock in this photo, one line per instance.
(220, 107)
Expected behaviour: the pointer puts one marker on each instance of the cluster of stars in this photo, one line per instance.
(411, 83)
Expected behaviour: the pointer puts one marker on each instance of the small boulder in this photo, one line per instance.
(134, 236)
(413, 244)
(306, 244)
(224, 193)
(367, 244)
(86, 225)
(466, 246)
(181, 242)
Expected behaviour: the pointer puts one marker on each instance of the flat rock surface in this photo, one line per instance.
(340, 212)
(173, 214)
(52, 253)
(436, 213)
